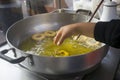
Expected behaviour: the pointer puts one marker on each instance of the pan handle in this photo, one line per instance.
(87, 12)
(11, 60)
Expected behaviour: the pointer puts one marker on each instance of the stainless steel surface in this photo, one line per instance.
(52, 65)
(14, 72)
(106, 71)
(108, 68)
(79, 11)
(40, 23)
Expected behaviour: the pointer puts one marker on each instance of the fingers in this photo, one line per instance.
(63, 33)
(59, 38)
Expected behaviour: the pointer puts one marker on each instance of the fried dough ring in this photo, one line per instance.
(62, 53)
(50, 33)
(38, 36)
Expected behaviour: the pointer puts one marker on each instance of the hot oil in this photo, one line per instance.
(46, 47)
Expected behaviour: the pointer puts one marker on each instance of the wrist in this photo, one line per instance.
(86, 29)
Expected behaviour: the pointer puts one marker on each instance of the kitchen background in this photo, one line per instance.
(12, 11)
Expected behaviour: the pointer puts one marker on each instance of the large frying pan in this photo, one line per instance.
(49, 65)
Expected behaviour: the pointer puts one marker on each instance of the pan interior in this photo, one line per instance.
(42, 44)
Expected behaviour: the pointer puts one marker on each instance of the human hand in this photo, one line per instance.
(77, 28)
(65, 32)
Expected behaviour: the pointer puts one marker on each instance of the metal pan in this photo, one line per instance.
(49, 65)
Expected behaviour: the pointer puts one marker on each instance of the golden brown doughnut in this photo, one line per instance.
(38, 36)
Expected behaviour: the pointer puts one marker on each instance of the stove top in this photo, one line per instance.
(108, 69)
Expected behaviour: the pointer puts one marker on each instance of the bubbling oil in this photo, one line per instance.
(46, 47)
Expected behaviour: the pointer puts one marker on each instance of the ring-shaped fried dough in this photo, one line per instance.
(62, 53)
(50, 33)
(38, 36)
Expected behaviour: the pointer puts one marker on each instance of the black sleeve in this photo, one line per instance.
(108, 33)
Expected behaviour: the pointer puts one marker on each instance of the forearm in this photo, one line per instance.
(85, 29)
